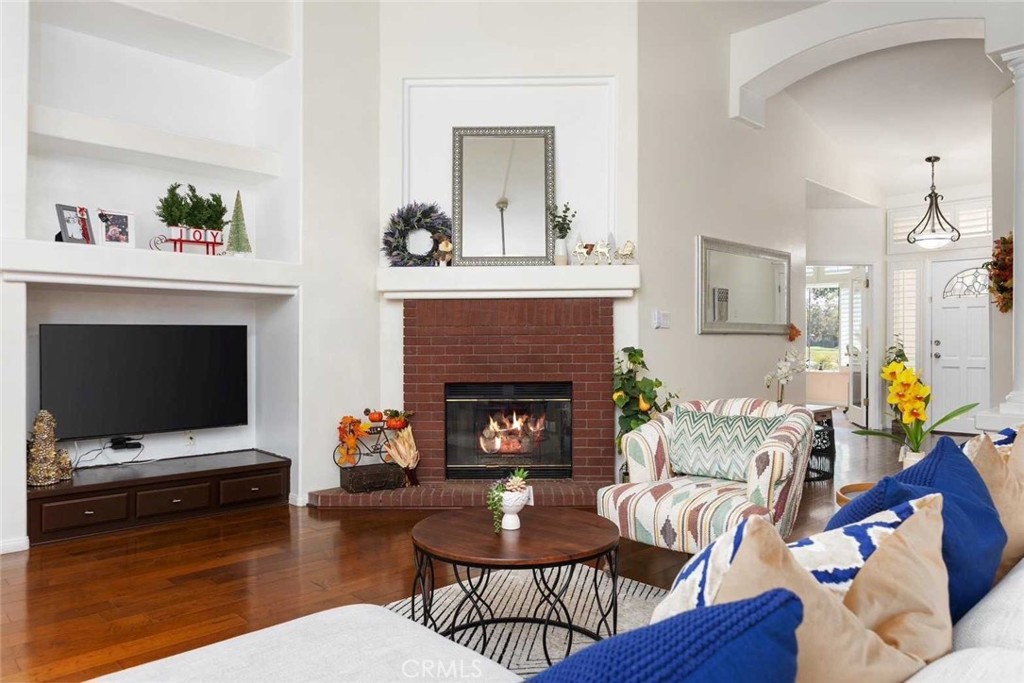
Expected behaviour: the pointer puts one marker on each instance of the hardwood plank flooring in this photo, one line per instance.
(79, 609)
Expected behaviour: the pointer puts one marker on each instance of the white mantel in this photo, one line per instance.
(509, 282)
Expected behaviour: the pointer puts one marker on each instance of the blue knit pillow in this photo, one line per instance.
(973, 538)
(751, 640)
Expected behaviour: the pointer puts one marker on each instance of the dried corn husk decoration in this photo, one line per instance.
(403, 452)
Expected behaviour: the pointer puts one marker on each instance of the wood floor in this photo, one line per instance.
(80, 609)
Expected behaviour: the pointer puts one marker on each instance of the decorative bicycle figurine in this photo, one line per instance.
(357, 438)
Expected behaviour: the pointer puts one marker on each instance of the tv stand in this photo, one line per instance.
(114, 497)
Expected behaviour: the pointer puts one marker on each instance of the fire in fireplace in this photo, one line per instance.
(494, 427)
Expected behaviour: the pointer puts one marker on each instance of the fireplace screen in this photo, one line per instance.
(492, 428)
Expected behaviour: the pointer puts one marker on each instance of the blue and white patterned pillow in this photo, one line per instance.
(832, 557)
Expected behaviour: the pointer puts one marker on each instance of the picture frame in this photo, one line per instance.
(118, 228)
(74, 224)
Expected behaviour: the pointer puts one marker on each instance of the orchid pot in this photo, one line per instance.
(910, 458)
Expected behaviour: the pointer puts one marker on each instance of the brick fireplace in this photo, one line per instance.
(452, 341)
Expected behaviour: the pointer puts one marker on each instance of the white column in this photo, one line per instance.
(1015, 400)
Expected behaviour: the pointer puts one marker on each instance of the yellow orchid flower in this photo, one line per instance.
(891, 371)
(921, 390)
(914, 411)
(897, 395)
(906, 379)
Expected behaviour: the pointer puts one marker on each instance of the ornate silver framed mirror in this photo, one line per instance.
(503, 180)
(743, 289)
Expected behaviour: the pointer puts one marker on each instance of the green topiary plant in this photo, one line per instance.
(238, 238)
(215, 212)
(191, 210)
(172, 208)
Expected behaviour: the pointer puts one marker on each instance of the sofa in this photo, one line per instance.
(370, 644)
(686, 511)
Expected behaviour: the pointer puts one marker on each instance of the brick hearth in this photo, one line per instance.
(507, 340)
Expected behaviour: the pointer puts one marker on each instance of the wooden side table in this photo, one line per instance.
(552, 543)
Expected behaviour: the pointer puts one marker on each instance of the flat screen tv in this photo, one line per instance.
(120, 380)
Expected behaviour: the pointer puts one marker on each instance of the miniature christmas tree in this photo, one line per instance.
(238, 238)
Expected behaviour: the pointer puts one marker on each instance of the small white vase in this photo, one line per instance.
(511, 504)
(910, 458)
(561, 253)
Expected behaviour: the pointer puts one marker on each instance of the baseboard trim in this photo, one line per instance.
(298, 500)
(13, 545)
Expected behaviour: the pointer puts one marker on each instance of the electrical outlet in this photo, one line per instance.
(660, 320)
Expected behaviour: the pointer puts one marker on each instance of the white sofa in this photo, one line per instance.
(370, 644)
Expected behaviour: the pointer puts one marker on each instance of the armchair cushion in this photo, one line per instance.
(721, 446)
(682, 513)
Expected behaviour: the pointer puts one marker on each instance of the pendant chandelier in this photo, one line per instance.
(934, 230)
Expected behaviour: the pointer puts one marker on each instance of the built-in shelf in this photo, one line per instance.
(138, 26)
(66, 132)
(58, 263)
(496, 282)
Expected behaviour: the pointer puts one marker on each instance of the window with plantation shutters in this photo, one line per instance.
(904, 310)
(972, 217)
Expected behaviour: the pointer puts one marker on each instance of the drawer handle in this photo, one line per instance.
(176, 500)
(255, 488)
(89, 512)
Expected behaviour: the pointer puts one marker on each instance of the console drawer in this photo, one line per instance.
(84, 512)
(244, 489)
(171, 500)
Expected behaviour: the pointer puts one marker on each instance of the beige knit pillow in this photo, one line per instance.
(894, 619)
(1004, 477)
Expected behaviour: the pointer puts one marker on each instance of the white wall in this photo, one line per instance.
(341, 229)
(1001, 324)
(701, 173)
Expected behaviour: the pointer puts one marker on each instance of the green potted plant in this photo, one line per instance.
(193, 217)
(506, 498)
(636, 396)
(561, 224)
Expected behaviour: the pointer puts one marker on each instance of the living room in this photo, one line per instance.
(665, 126)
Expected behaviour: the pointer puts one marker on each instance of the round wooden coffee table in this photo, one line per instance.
(552, 543)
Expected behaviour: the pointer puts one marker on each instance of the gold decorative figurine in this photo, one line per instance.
(46, 464)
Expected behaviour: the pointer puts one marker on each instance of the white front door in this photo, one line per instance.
(958, 343)
(856, 336)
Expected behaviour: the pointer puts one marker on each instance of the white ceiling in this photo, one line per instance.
(892, 108)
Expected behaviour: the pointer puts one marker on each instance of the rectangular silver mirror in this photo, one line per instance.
(743, 289)
(503, 180)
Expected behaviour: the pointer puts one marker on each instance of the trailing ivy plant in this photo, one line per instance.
(636, 395)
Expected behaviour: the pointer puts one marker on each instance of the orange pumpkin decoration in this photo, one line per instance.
(396, 423)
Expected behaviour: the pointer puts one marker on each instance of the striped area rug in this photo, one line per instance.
(518, 647)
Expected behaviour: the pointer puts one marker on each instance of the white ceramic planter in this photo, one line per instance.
(561, 253)
(909, 457)
(512, 502)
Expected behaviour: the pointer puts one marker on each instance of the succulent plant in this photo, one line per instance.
(517, 481)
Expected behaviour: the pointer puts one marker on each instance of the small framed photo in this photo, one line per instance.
(118, 228)
(74, 224)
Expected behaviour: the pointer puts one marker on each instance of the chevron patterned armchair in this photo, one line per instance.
(702, 468)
